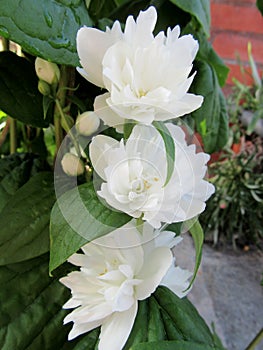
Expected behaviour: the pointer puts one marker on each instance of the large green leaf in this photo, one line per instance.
(184, 316)
(15, 171)
(24, 220)
(156, 330)
(99, 9)
(164, 321)
(211, 118)
(77, 218)
(199, 9)
(172, 345)
(206, 53)
(31, 315)
(139, 332)
(45, 28)
(19, 95)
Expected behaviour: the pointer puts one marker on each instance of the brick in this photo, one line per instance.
(236, 18)
(245, 76)
(232, 45)
(235, 72)
(235, 2)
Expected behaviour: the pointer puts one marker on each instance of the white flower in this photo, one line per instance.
(111, 280)
(87, 123)
(134, 175)
(147, 77)
(47, 71)
(72, 165)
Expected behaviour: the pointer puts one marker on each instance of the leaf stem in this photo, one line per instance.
(13, 143)
(258, 338)
(61, 97)
(68, 129)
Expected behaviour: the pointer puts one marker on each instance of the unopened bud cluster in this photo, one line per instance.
(48, 74)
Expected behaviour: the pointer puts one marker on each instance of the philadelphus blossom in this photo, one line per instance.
(147, 77)
(72, 165)
(111, 280)
(47, 71)
(87, 123)
(134, 175)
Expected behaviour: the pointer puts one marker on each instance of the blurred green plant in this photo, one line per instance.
(248, 97)
(235, 212)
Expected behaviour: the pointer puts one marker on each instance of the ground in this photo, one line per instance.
(227, 291)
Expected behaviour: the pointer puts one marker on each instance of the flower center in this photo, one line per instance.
(142, 93)
(140, 186)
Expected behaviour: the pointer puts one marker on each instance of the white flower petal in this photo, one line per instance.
(116, 329)
(90, 59)
(79, 329)
(106, 114)
(99, 150)
(177, 280)
(153, 271)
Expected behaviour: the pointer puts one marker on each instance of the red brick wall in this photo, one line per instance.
(234, 24)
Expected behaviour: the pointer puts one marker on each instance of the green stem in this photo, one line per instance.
(258, 338)
(61, 97)
(13, 143)
(68, 129)
(127, 128)
(139, 224)
(58, 131)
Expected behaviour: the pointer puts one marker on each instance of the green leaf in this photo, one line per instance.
(32, 316)
(156, 329)
(200, 9)
(197, 233)
(101, 8)
(260, 6)
(171, 331)
(15, 171)
(211, 118)
(78, 217)
(24, 220)
(48, 29)
(169, 147)
(34, 312)
(172, 345)
(207, 54)
(139, 332)
(184, 316)
(19, 95)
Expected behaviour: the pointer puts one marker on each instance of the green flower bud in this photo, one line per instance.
(43, 88)
(87, 123)
(47, 71)
(87, 2)
(72, 165)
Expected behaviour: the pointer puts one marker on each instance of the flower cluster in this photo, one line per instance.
(147, 81)
(147, 77)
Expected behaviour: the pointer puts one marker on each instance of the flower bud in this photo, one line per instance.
(47, 71)
(72, 165)
(87, 123)
(44, 88)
